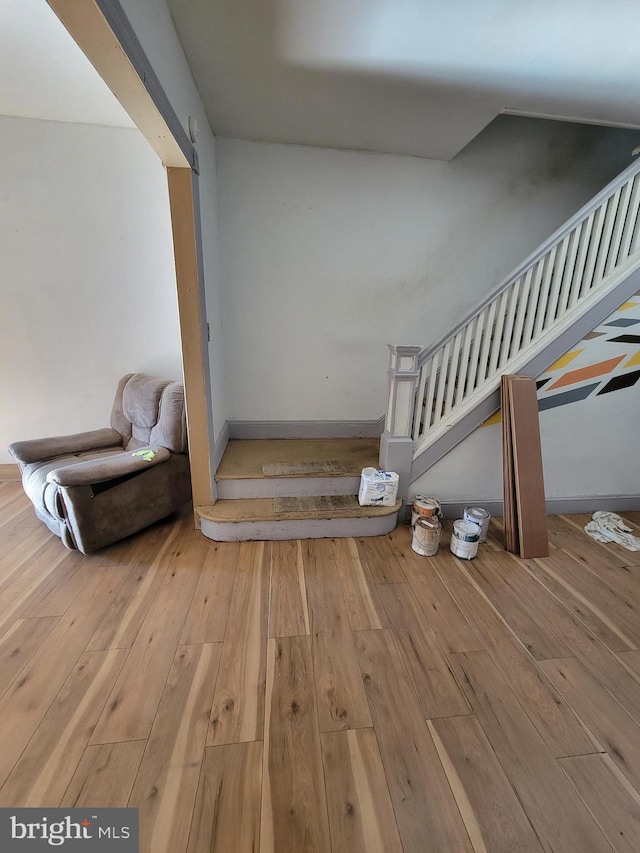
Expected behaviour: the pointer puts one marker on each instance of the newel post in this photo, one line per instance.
(396, 444)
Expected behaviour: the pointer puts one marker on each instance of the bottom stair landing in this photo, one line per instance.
(309, 518)
(294, 489)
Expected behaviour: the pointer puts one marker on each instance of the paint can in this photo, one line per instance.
(464, 540)
(424, 507)
(426, 536)
(478, 515)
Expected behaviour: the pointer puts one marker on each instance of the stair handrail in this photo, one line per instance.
(583, 213)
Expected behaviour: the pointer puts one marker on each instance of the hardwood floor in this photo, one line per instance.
(325, 695)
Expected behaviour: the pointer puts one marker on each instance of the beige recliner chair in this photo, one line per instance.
(94, 488)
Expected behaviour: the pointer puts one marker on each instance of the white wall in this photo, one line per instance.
(86, 274)
(327, 256)
(154, 28)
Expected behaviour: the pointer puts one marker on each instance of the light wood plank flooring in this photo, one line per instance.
(325, 695)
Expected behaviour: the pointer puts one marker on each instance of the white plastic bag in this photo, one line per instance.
(378, 488)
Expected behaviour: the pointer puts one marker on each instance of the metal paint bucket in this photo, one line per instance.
(426, 536)
(464, 540)
(478, 515)
(424, 507)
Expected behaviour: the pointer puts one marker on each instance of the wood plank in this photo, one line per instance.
(227, 810)
(527, 465)
(558, 816)
(13, 508)
(17, 511)
(492, 573)
(133, 703)
(603, 664)
(27, 520)
(288, 615)
(582, 547)
(149, 565)
(633, 516)
(437, 690)
(614, 728)
(32, 571)
(340, 695)
(613, 802)
(381, 561)
(207, 617)
(359, 591)
(105, 775)
(59, 590)
(492, 813)
(553, 719)
(361, 817)
(18, 646)
(426, 812)
(45, 768)
(611, 616)
(10, 488)
(616, 554)
(294, 809)
(13, 543)
(25, 582)
(510, 509)
(238, 706)
(167, 782)
(624, 579)
(632, 660)
(24, 705)
(440, 610)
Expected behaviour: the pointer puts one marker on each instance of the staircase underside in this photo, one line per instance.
(294, 489)
(459, 430)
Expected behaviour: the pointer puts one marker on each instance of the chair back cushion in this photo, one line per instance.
(148, 410)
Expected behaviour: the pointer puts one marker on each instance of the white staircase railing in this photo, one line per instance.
(572, 270)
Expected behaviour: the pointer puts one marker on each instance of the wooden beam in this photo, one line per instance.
(89, 28)
(183, 225)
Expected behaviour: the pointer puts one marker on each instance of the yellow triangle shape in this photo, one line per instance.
(635, 359)
(564, 360)
(496, 418)
(628, 305)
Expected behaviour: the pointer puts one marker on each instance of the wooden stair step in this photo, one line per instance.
(264, 509)
(288, 457)
(309, 517)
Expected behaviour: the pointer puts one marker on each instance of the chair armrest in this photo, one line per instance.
(108, 467)
(47, 448)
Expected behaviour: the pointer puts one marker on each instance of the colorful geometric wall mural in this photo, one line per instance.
(606, 360)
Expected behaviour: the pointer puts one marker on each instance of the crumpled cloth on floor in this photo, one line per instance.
(609, 527)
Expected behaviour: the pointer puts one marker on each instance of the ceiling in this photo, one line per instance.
(417, 77)
(45, 75)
